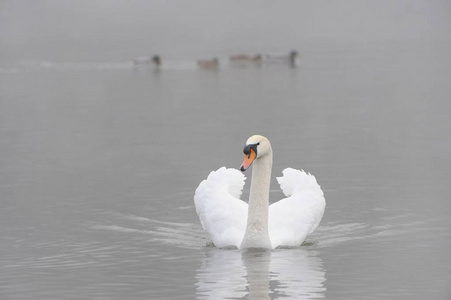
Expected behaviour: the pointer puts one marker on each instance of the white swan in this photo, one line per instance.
(230, 221)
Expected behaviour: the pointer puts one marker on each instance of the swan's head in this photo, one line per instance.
(256, 147)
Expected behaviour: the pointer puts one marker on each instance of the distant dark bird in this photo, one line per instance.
(146, 60)
(291, 58)
(246, 58)
(208, 63)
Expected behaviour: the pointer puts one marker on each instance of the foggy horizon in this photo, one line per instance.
(78, 31)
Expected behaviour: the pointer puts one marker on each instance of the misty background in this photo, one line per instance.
(99, 160)
(120, 30)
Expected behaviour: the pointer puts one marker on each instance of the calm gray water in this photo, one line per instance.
(99, 163)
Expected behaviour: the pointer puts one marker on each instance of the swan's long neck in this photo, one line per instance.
(256, 235)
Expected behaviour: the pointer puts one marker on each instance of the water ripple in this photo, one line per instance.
(192, 236)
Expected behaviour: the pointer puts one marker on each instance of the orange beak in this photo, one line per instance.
(248, 159)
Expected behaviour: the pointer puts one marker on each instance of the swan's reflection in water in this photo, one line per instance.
(259, 274)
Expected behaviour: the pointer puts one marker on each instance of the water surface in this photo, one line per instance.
(99, 163)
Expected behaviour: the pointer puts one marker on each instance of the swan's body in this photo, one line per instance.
(230, 221)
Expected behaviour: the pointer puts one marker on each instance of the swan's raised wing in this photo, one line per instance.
(221, 212)
(292, 219)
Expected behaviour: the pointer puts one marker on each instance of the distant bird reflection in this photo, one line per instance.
(260, 274)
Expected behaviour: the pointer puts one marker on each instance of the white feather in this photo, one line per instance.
(292, 219)
(222, 214)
